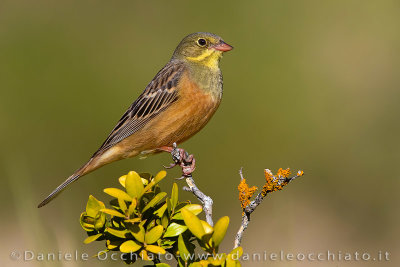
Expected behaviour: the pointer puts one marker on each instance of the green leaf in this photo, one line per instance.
(155, 249)
(236, 253)
(113, 213)
(174, 229)
(220, 230)
(167, 243)
(112, 244)
(132, 207)
(86, 225)
(137, 232)
(93, 206)
(194, 208)
(207, 228)
(100, 221)
(91, 238)
(118, 193)
(193, 223)
(122, 205)
(122, 180)
(174, 196)
(217, 260)
(160, 211)
(117, 233)
(134, 185)
(154, 234)
(162, 265)
(134, 220)
(154, 201)
(232, 259)
(129, 246)
(161, 175)
(184, 253)
(165, 220)
(169, 207)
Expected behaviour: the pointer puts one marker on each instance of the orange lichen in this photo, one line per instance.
(283, 173)
(275, 183)
(245, 193)
(272, 183)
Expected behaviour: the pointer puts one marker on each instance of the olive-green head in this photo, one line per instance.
(201, 47)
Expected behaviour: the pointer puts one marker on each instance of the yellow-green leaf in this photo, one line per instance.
(84, 221)
(113, 213)
(232, 260)
(137, 232)
(194, 208)
(93, 206)
(220, 230)
(129, 246)
(118, 193)
(160, 211)
(154, 201)
(91, 238)
(117, 233)
(100, 221)
(143, 254)
(132, 207)
(174, 196)
(174, 229)
(236, 253)
(154, 234)
(184, 253)
(207, 228)
(112, 244)
(161, 175)
(155, 249)
(122, 180)
(217, 260)
(134, 185)
(162, 265)
(122, 205)
(134, 220)
(165, 220)
(193, 223)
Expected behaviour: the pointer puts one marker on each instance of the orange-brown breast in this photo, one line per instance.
(184, 118)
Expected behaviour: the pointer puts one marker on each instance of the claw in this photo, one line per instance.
(181, 158)
(171, 165)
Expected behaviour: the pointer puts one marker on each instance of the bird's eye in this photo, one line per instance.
(202, 42)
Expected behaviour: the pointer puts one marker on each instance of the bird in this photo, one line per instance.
(175, 105)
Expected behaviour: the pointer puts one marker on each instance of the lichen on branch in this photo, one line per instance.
(272, 183)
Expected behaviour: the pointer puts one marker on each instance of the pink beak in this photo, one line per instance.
(222, 46)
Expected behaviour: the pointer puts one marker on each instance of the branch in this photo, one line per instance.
(273, 183)
(204, 199)
(187, 163)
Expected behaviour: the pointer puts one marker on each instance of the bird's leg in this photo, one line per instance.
(181, 158)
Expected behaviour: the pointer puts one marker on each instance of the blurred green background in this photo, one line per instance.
(311, 85)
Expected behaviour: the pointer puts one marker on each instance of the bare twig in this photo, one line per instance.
(275, 183)
(204, 199)
(187, 163)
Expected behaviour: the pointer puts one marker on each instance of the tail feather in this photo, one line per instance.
(85, 169)
(59, 189)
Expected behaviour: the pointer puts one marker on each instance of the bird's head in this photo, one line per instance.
(202, 48)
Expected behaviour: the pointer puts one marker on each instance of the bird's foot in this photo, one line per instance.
(181, 158)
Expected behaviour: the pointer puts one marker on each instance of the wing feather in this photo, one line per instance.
(158, 95)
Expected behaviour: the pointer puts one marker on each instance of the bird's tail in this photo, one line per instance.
(79, 173)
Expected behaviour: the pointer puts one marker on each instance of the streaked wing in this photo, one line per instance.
(156, 97)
